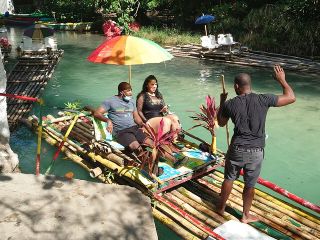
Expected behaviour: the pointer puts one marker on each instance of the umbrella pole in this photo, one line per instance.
(130, 74)
(205, 29)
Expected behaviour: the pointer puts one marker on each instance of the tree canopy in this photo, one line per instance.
(284, 26)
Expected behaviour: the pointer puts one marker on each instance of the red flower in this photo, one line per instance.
(110, 29)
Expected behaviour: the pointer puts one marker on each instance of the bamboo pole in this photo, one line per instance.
(129, 172)
(59, 139)
(83, 134)
(287, 212)
(275, 201)
(65, 136)
(75, 158)
(192, 210)
(199, 207)
(295, 224)
(86, 133)
(53, 132)
(224, 92)
(40, 128)
(183, 221)
(182, 232)
(202, 202)
(84, 128)
(288, 194)
(234, 202)
(194, 137)
(195, 221)
(301, 230)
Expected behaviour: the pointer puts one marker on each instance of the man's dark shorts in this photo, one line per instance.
(249, 159)
(128, 135)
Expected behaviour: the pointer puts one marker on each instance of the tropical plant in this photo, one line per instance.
(75, 106)
(124, 11)
(207, 119)
(161, 146)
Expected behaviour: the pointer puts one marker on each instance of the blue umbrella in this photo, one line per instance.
(204, 19)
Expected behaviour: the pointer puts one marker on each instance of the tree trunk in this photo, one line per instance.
(8, 159)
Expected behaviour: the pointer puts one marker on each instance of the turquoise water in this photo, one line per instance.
(292, 145)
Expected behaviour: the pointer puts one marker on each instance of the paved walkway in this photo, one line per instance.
(55, 208)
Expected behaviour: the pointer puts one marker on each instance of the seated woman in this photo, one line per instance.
(151, 107)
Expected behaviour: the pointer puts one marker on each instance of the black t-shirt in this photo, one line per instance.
(248, 113)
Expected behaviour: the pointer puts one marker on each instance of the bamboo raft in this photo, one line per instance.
(187, 208)
(27, 78)
(247, 58)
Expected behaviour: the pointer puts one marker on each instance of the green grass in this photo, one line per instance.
(168, 36)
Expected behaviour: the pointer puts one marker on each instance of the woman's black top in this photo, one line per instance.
(152, 106)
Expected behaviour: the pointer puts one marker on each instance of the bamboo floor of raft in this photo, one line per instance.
(27, 78)
(247, 58)
(189, 209)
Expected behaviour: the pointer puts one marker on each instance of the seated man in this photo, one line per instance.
(124, 120)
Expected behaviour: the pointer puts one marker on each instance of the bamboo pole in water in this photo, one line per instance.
(182, 232)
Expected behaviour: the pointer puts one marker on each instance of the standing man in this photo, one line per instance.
(248, 112)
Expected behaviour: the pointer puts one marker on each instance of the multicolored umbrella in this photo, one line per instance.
(38, 31)
(129, 50)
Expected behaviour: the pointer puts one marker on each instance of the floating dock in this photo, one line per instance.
(27, 78)
(246, 57)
